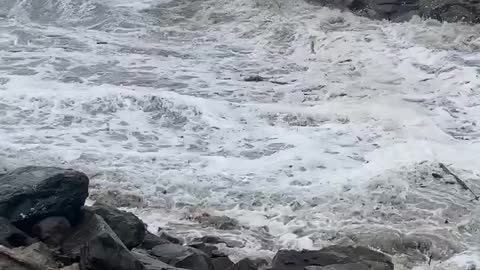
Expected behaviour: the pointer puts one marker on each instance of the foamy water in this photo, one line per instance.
(336, 145)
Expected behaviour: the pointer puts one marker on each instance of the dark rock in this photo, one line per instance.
(333, 255)
(129, 228)
(183, 257)
(151, 240)
(29, 194)
(222, 263)
(170, 238)
(116, 198)
(52, 230)
(11, 237)
(437, 175)
(74, 266)
(244, 264)
(255, 78)
(219, 222)
(210, 250)
(151, 262)
(98, 247)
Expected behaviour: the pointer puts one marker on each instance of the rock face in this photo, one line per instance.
(183, 257)
(98, 246)
(129, 228)
(34, 257)
(151, 240)
(11, 237)
(333, 257)
(29, 194)
(52, 230)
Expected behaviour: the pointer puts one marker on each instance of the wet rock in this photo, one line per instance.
(151, 262)
(129, 228)
(115, 198)
(255, 78)
(210, 250)
(52, 230)
(209, 239)
(222, 263)
(12, 237)
(183, 257)
(219, 222)
(98, 247)
(34, 257)
(334, 256)
(31, 193)
(244, 264)
(170, 238)
(151, 240)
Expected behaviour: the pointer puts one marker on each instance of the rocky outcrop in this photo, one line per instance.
(32, 193)
(335, 257)
(403, 10)
(47, 203)
(129, 228)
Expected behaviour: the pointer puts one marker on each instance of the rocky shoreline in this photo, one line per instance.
(45, 225)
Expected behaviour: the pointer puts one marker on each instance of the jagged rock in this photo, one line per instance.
(183, 257)
(34, 257)
(52, 230)
(209, 239)
(340, 256)
(151, 262)
(151, 240)
(210, 250)
(98, 247)
(129, 228)
(12, 237)
(74, 266)
(244, 264)
(219, 222)
(31, 193)
(222, 263)
(170, 238)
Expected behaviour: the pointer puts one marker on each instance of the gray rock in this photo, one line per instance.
(222, 263)
(29, 194)
(183, 257)
(151, 240)
(129, 228)
(12, 237)
(170, 238)
(34, 257)
(151, 262)
(219, 222)
(98, 247)
(244, 264)
(332, 256)
(210, 250)
(52, 230)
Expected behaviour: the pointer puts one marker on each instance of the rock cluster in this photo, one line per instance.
(402, 10)
(44, 225)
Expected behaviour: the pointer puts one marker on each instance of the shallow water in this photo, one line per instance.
(339, 140)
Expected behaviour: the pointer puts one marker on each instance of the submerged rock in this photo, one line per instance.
(337, 257)
(11, 237)
(32, 193)
(183, 257)
(219, 222)
(129, 228)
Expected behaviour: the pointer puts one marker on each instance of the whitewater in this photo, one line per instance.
(333, 141)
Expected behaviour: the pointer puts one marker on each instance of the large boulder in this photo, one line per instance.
(335, 257)
(32, 193)
(11, 237)
(98, 247)
(52, 230)
(183, 257)
(129, 228)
